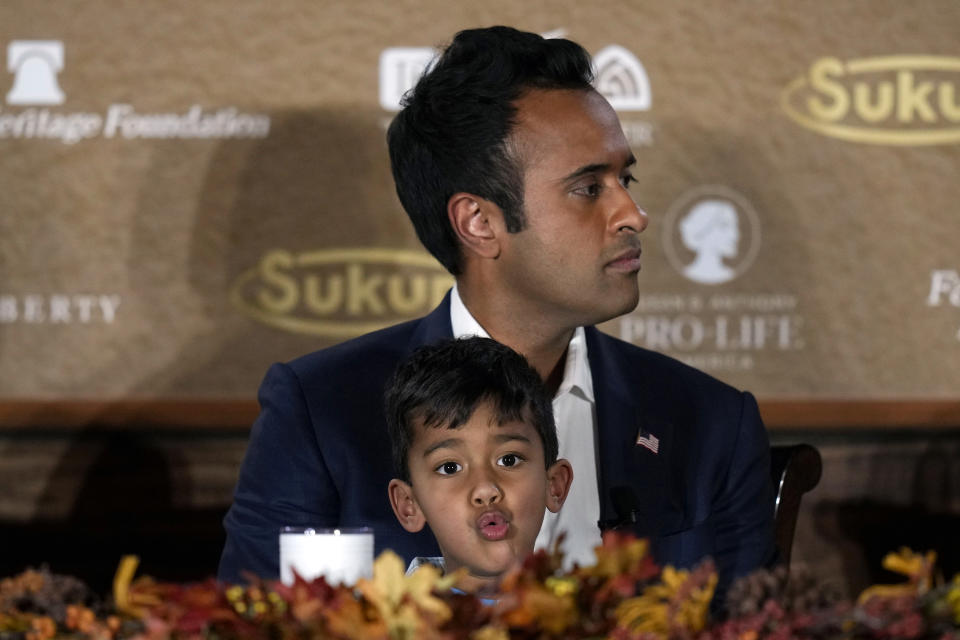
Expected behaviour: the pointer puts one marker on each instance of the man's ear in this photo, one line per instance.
(559, 479)
(405, 506)
(475, 221)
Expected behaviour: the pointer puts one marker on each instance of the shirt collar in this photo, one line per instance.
(576, 370)
(461, 320)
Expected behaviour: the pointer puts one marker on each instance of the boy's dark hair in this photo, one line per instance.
(442, 384)
(452, 133)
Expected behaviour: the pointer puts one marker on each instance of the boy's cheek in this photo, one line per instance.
(431, 492)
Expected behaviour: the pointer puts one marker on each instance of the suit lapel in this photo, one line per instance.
(627, 410)
(433, 327)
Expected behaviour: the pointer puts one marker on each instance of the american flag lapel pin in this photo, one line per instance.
(648, 440)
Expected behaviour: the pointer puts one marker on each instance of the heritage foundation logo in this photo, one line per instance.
(711, 235)
(36, 66)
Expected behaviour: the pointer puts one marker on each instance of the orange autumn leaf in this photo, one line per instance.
(542, 607)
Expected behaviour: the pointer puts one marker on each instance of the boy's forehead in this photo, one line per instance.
(484, 418)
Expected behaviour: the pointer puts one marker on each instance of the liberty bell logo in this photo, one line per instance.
(36, 64)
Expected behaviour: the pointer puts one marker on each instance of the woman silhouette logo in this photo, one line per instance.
(711, 230)
(708, 223)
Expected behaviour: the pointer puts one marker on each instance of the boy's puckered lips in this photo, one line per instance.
(493, 525)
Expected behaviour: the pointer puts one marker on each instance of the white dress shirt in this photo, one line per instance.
(574, 411)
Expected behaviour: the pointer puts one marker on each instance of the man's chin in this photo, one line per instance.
(621, 305)
(630, 303)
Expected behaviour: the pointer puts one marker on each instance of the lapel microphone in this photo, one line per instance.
(625, 505)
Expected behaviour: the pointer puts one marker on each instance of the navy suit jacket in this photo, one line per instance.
(319, 454)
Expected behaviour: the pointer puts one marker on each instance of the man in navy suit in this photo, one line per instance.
(515, 174)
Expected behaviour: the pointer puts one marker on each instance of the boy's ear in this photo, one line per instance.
(475, 222)
(405, 506)
(559, 479)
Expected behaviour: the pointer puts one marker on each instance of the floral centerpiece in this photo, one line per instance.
(624, 596)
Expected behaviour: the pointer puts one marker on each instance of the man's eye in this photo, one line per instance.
(448, 468)
(510, 460)
(627, 180)
(591, 190)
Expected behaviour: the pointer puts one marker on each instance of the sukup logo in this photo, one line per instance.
(340, 293)
(891, 100)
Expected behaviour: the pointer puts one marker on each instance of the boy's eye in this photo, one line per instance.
(509, 460)
(626, 180)
(448, 468)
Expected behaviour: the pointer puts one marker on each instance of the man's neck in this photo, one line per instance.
(525, 330)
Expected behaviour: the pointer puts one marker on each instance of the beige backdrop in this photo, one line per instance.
(191, 191)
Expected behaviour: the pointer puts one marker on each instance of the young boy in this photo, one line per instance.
(475, 448)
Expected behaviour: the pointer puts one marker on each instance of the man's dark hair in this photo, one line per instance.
(441, 385)
(452, 133)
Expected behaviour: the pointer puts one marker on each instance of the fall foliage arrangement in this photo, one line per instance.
(624, 596)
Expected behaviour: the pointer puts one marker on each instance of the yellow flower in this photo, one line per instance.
(680, 602)
(561, 587)
(121, 582)
(406, 603)
(646, 613)
(691, 612)
(132, 601)
(917, 567)
(953, 598)
(913, 565)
